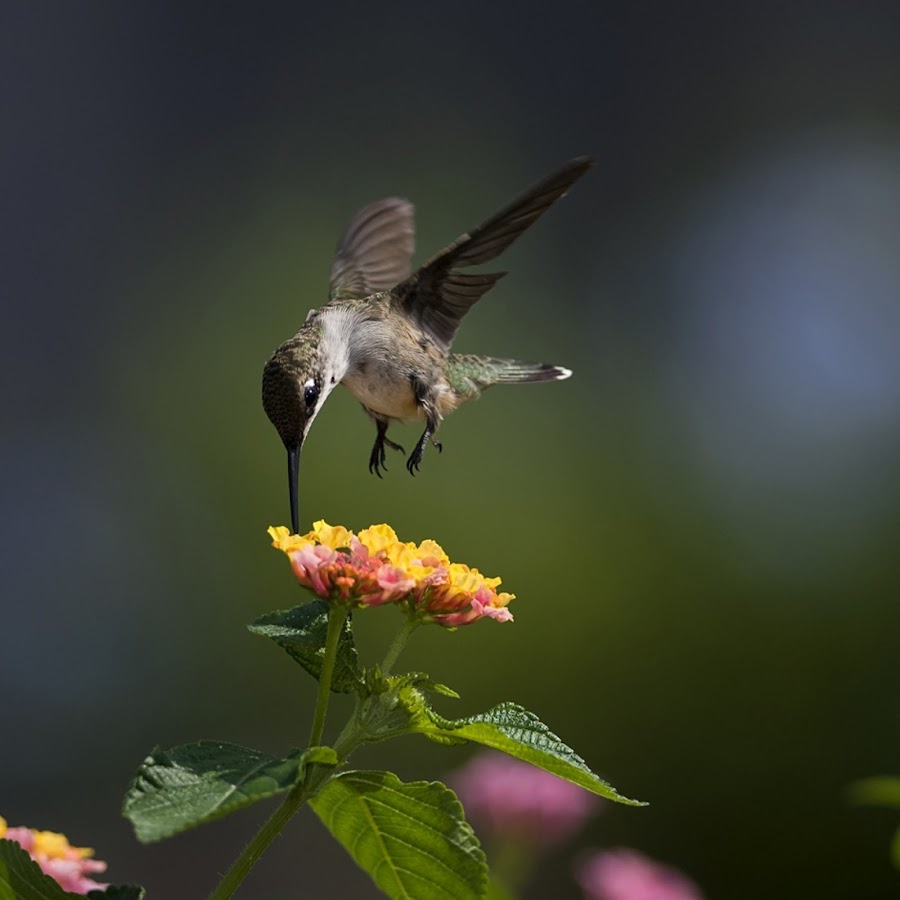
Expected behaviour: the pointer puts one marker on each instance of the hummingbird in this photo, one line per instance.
(386, 331)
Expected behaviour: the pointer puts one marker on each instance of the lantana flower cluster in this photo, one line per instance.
(512, 800)
(625, 874)
(375, 567)
(69, 866)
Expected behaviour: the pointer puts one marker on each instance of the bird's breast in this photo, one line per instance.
(387, 356)
(383, 390)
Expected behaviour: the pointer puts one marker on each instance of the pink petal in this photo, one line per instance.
(394, 581)
(625, 874)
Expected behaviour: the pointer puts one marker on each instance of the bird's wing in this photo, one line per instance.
(438, 297)
(375, 251)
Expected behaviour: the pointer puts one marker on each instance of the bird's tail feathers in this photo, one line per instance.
(510, 371)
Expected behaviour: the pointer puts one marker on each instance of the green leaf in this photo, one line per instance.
(411, 838)
(391, 705)
(21, 877)
(424, 683)
(301, 632)
(324, 756)
(882, 790)
(514, 730)
(177, 789)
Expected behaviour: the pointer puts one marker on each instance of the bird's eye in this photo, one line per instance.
(310, 394)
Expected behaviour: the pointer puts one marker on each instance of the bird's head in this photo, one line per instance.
(296, 381)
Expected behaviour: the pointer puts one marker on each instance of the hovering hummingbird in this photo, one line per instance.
(386, 331)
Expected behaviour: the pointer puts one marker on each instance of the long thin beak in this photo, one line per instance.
(293, 474)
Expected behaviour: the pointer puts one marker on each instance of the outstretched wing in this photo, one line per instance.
(375, 251)
(437, 296)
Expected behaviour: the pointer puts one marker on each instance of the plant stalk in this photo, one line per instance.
(337, 615)
(313, 778)
(241, 867)
(403, 635)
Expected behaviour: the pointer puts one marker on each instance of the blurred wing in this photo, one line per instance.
(375, 252)
(438, 297)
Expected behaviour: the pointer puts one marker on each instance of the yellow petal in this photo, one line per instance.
(283, 540)
(463, 578)
(429, 548)
(400, 554)
(332, 536)
(50, 843)
(406, 558)
(279, 534)
(378, 538)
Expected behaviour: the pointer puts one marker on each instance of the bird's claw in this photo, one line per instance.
(376, 463)
(415, 459)
(378, 458)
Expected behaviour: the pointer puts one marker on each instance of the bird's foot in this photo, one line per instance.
(415, 458)
(377, 458)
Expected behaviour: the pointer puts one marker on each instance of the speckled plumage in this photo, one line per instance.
(386, 332)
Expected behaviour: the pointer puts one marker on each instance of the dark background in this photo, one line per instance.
(701, 526)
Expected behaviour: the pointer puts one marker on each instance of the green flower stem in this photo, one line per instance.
(314, 777)
(403, 635)
(350, 738)
(296, 797)
(337, 615)
(512, 865)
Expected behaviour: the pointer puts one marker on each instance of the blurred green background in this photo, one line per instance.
(701, 525)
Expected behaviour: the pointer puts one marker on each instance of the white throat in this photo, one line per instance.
(338, 325)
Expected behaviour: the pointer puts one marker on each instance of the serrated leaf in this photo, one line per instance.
(411, 838)
(177, 789)
(882, 790)
(21, 877)
(512, 729)
(301, 631)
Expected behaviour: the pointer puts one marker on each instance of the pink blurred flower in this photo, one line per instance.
(625, 874)
(66, 864)
(517, 801)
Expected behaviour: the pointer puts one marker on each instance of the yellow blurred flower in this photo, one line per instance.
(69, 866)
